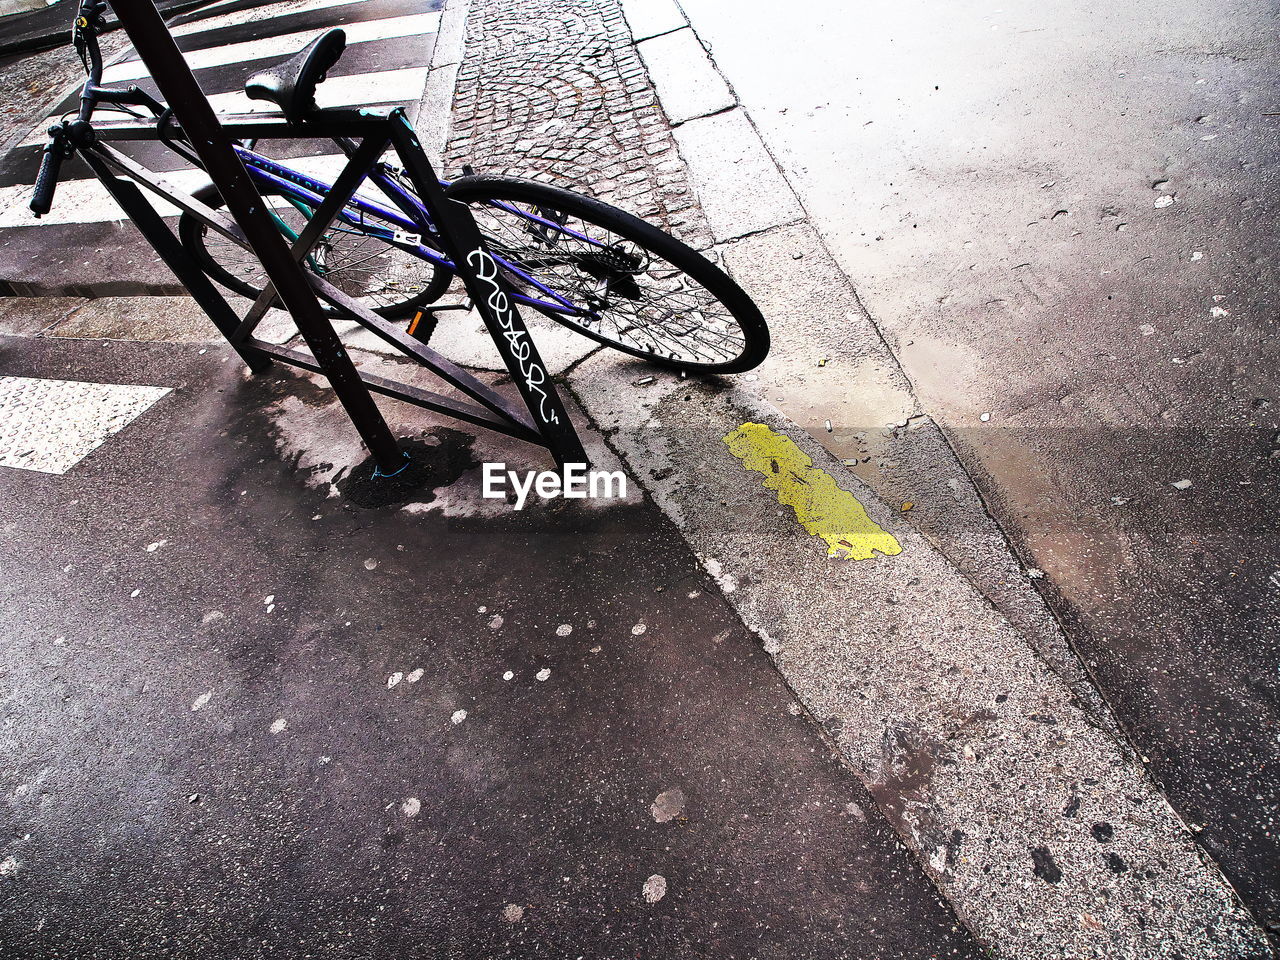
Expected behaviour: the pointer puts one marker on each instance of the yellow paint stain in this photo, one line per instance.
(822, 507)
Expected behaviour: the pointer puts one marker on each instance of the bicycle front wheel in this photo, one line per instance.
(632, 286)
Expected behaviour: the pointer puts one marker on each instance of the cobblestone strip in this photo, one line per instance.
(554, 90)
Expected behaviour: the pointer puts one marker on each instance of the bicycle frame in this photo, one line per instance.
(273, 176)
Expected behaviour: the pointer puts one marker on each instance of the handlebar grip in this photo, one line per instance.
(47, 178)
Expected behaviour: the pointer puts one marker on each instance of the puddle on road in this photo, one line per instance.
(822, 507)
(439, 458)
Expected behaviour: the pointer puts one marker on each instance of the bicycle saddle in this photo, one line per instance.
(291, 84)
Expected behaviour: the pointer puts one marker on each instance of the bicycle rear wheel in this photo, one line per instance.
(377, 274)
(646, 293)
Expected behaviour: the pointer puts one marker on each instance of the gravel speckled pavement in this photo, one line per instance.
(246, 717)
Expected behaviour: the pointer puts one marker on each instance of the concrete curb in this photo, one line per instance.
(433, 113)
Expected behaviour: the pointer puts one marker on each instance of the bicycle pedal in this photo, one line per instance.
(423, 325)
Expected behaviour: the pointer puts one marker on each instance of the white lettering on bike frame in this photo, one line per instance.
(534, 374)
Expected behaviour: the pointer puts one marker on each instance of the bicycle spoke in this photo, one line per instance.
(636, 299)
(362, 265)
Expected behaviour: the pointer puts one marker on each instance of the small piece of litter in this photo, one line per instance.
(564, 630)
(411, 806)
(153, 547)
(415, 675)
(495, 621)
(1035, 573)
(543, 674)
(1219, 312)
(279, 725)
(644, 381)
(509, 675)
(370, 563)
(1196, 255)
(1147, 330)
(638, 629)
(985, 417)
(193, 798)
(270, 607)
(596, 649)
(668, 805)
(202, 700)
(394, 679)
(822, 362)
(907, 506)
(269, 599)
(482, 609)
(135, 593)
(828, 426)
(458, 716)
(654, 889)
(1165, 200)
(316, 517)
(1181, 484)
(513, 913)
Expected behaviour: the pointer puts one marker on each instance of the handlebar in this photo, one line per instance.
(84, 34)
(66, 138)
(47, 179)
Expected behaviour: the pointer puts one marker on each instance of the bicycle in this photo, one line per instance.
(591, 267)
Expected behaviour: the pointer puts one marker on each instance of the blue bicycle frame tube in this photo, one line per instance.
(267, 173)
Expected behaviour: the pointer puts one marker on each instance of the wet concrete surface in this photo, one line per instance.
(1062, 218)
(263, 751)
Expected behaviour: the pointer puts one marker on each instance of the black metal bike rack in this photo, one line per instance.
(538, 418)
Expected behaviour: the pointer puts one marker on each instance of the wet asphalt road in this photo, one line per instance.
(261, 753)
(1062, 216)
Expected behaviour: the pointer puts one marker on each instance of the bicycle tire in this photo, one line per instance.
(482, 191)
(195, 236)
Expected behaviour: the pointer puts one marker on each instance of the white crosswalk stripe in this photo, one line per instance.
(282, 46)
(257, 15)
(361, 89)
(87, 201)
